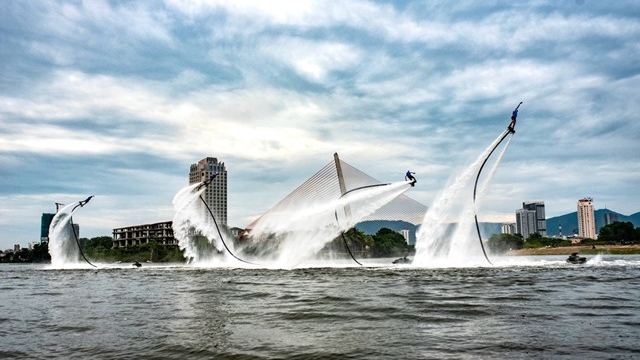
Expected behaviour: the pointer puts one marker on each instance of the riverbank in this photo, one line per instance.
(582, 249)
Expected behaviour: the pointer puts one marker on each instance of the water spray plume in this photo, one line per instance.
(192, 223)
(64, 245)
(443, 242)
(295, 229)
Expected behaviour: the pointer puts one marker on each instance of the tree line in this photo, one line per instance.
(385, 243)
(616, 233)
(101, 249)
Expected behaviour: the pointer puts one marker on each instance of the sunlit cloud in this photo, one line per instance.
(117, 99)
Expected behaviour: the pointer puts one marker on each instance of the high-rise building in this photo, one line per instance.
(541, 221)
(531, 219)
(586, 219)
(45, 222)
(508, 228)
(216, 193)
(525, 222)
(76, 230)
(610, 218)
(405, 234)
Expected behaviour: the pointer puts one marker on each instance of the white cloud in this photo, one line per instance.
(312, 59)
(275, 88)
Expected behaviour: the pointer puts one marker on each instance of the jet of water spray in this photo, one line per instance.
(63, 243)
(195, 229)
(302, 232)
(443, 241)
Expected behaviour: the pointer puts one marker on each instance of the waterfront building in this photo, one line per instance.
(541, 221)
(508, 228)
(45, 222)
(405, 234)
(525, 222)
(134, 235)
(76, 230)
(216, 193)
(586, 219)
(610, 218)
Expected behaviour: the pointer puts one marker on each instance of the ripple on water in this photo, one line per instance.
(518, 312)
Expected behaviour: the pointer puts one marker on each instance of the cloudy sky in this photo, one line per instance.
(117, 99)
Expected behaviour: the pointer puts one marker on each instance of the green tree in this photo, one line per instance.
(501, 243)
(535, 237)
(358, 241)
(40, 253)
(387, 242)
(536, 241)
(622, 232)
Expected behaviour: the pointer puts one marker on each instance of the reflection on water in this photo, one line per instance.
(537, 307)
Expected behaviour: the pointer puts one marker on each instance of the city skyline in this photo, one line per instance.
(609, 217)
(112, 99)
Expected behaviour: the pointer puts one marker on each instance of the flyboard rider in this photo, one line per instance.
(409, 176)
(514, 115)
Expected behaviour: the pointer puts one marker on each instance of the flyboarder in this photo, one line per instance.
(213, 176)
(85, 201)
(514, 115)
(208, 181)
(409, 176)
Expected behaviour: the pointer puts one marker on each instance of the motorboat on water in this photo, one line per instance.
(575, 259)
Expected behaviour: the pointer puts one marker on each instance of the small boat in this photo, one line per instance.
(136, 264)
(402, 260)
(575, 259)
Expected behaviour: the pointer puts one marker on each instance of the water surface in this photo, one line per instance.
(536, 307)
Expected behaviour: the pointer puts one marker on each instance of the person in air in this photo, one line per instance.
(409, 176)
(85, 201)
(208, 181)
(514, 115)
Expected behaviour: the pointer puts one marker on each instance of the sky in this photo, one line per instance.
(118, 98)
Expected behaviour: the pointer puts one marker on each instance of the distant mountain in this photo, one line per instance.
(569, 222)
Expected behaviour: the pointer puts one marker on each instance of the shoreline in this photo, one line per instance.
(582, 249)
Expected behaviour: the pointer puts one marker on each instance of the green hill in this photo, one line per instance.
(569, 222)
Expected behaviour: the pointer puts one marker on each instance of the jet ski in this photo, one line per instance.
(575, 259)
(402, 260)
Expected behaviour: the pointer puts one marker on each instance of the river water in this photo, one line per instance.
(527, 308)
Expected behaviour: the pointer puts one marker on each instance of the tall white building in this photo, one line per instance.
(586, 219)
(508, 228)
(405, 235)
(610, 218)
(216, 193)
